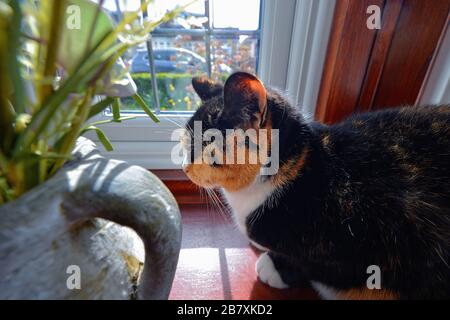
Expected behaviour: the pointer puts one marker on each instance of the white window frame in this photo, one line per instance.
(293, 43)
(437, 86)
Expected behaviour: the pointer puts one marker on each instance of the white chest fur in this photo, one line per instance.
(247, 200)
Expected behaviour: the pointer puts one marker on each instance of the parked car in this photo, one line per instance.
(175, 60)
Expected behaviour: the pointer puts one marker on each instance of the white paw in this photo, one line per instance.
(267, 273)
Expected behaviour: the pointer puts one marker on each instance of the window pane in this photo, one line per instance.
(192, 18)
(116, 8)
(179, 50)
(178, 57)
(232, 53)
(239, 14)
(177, 60)
(138, 64)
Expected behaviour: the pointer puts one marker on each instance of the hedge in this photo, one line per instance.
(175, 91)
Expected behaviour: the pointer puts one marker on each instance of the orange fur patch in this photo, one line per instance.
(366, 294)
(290, 170)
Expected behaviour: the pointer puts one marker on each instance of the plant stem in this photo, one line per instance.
(57, 18)
(77, 123)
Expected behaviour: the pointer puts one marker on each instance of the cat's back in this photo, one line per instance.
(393, 163)
(403, 122)
(412, 136)
(395, 124)
(396, 160)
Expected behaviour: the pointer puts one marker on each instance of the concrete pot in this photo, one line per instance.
(86, 232)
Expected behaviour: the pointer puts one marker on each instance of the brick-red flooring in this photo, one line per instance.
(217, 261)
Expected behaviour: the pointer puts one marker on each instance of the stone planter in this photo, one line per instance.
(84, 234)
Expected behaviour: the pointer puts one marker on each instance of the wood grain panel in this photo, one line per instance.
(379, 53)
(419, 29)
(347, 58)
(369, 69)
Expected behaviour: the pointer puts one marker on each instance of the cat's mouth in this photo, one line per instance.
(228, 177)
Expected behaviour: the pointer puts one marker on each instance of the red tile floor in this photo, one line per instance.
(217, 262)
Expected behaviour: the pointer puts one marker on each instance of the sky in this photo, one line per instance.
(242, 14)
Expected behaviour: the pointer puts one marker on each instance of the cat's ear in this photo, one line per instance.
(245, 95)
(205, 88)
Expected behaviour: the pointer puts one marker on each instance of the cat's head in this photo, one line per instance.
(226, 127)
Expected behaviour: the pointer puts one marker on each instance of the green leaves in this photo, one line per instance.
(11, 93)
(50, 75)
(79, 42)
(100, 106)
(116, 109)
(6, 193)
(145, 107)
(101, 137)
(13, 63)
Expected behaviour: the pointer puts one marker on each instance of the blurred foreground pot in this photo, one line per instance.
(72, 237)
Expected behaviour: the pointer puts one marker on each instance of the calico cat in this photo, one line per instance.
(373, 190)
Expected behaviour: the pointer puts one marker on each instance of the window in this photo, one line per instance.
(205, 39)
(284, 42)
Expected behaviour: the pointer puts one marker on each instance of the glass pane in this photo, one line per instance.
(178, 57)
(116, 8)
(237, 14)
(137, 62)
(193, 17)
(177, 60)
(179, 49)
(232, 53)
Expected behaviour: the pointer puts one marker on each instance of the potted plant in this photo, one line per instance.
(60, 199)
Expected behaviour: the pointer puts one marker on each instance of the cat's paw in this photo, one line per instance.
(267, 273)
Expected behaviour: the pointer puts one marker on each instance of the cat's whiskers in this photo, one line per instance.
(175, 122)
(209, 192)
(204, 199)
(255, 216)
(209, 206)
(217, 202)
(210, 202)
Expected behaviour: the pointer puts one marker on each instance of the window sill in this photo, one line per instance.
(141, 141)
